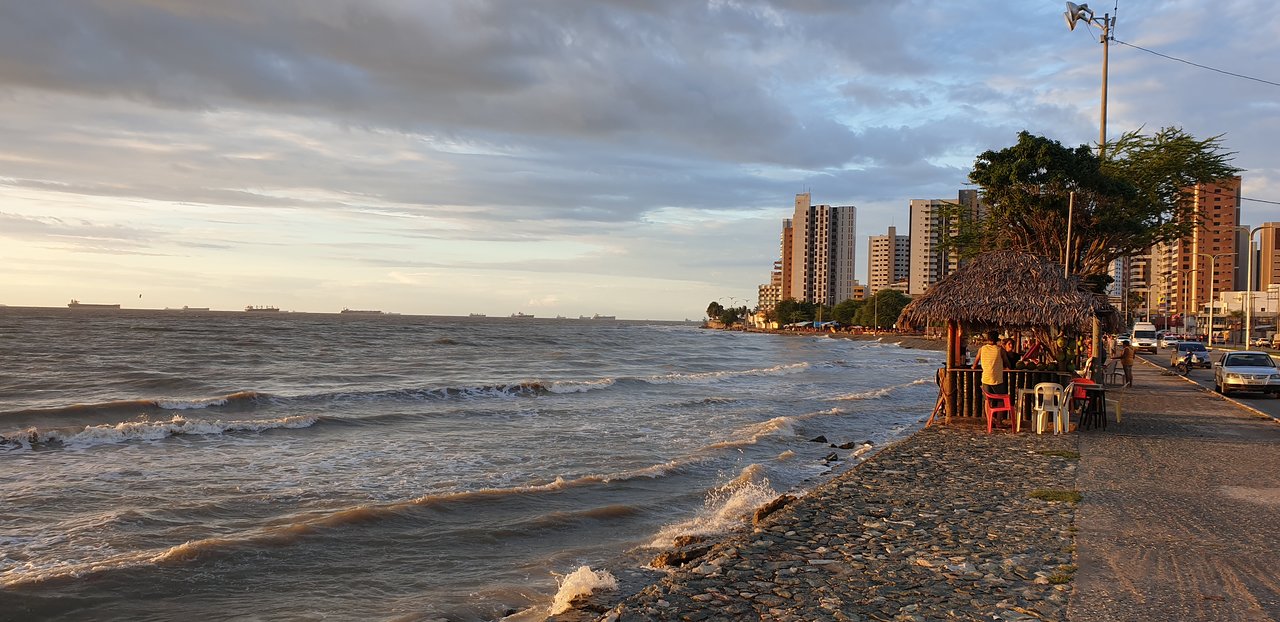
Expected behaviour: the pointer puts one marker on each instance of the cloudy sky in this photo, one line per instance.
(624, 157)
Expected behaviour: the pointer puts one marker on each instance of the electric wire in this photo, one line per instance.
(1260, 200)
(1222, 71)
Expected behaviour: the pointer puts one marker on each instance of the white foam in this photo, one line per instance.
(155, 430)
(881, 392)
(714, 376)
(725, 509)
(581, 386)
(581, 582)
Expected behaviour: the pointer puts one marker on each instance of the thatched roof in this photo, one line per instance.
(1010, 289)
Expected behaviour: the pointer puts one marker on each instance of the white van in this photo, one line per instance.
(1144, 339)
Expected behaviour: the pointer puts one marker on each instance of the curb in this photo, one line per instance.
(1219, 395)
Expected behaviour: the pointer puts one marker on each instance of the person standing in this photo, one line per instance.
(1127, 354)
(991, 359)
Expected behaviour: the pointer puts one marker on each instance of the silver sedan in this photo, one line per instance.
(1246, 371)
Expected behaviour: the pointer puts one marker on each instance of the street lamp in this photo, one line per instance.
(1248, 286)
(1212, 274)
(1081, 12)
(1076, 13)
(1184, 285)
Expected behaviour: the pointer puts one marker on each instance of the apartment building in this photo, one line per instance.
(823, 241)
(888, 260)
(1188, 269)
(933, 223)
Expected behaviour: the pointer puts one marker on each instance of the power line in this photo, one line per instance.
(1238, 75)
(1260, 200)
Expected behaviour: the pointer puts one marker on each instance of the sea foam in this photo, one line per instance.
(581, 582)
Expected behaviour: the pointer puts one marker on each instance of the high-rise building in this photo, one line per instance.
(1268, 266)
(933, 223)
(1183, 266)
(786, 254)
(888, 259)
(823, 241)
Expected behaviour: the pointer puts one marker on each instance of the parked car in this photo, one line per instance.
(1246, 371)
(1199, 355)
(1168, 340)
(1260, 342)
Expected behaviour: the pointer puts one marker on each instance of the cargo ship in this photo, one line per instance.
(597, 317)
(521, 314)
(76, 304)
(477, 315)
(346, 311)
(253, 309)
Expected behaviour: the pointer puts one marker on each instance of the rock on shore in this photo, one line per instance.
(942, 525)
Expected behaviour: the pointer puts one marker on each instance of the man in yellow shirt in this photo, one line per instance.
(991, 358)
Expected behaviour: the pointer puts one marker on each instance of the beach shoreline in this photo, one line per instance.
(939, 524)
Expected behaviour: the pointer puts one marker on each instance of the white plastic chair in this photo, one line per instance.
(1050, 399)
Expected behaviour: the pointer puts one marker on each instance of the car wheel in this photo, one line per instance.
(1217, 388)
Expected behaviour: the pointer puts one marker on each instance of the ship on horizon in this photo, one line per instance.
(255, 309)
(347, 311)
(186, 308)
(477, 315)
(521, 314)
(598, 317)
(76, 304)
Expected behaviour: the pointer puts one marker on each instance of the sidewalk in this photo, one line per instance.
(1180, 518)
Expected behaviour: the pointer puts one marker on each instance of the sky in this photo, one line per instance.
(551, 157)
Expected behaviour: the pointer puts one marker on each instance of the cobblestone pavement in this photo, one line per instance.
(942, 526)
(1181, 512)
(1179, 520)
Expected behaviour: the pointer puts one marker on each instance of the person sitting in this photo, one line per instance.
(991, 358)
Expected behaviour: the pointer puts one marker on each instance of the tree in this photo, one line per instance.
(882, 309)
(845, 311)
(1125, 203)
(790, 311)
(714, 309)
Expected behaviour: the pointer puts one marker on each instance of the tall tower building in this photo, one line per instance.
(888, 259)
(1268, 266)
(933, 222)
(1184, 266)
(823, 241)
(787, 259)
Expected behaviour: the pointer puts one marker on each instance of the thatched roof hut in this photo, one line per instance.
(1007, 290)
(1011, 290)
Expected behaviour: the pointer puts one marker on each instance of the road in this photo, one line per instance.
(1204, 378)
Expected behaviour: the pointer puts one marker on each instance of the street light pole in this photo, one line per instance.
(1075, 13)
(1248, 287)
(1213, 273)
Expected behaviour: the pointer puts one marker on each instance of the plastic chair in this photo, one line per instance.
(1050, 400)
(1002, 405)
(1114, 374)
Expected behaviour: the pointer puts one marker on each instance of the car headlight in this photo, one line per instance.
(1274, 376)
(1233, 377)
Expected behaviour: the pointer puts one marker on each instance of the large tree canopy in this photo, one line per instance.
(1124, 203)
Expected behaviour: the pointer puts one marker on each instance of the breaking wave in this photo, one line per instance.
(146, 431)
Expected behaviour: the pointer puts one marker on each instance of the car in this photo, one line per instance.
(1168, 340)
(1249, 370)
(1199, 355)
(1260, 342)
(1144, 337)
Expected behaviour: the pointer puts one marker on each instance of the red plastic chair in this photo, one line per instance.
(1002, 404)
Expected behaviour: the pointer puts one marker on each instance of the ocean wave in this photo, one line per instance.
(726, 508)
(715, 376)
(873, 394)
(130, 406)
(145, 431)
(579, 386)
(778, 426)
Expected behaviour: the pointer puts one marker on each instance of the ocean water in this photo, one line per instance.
(227, 466)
